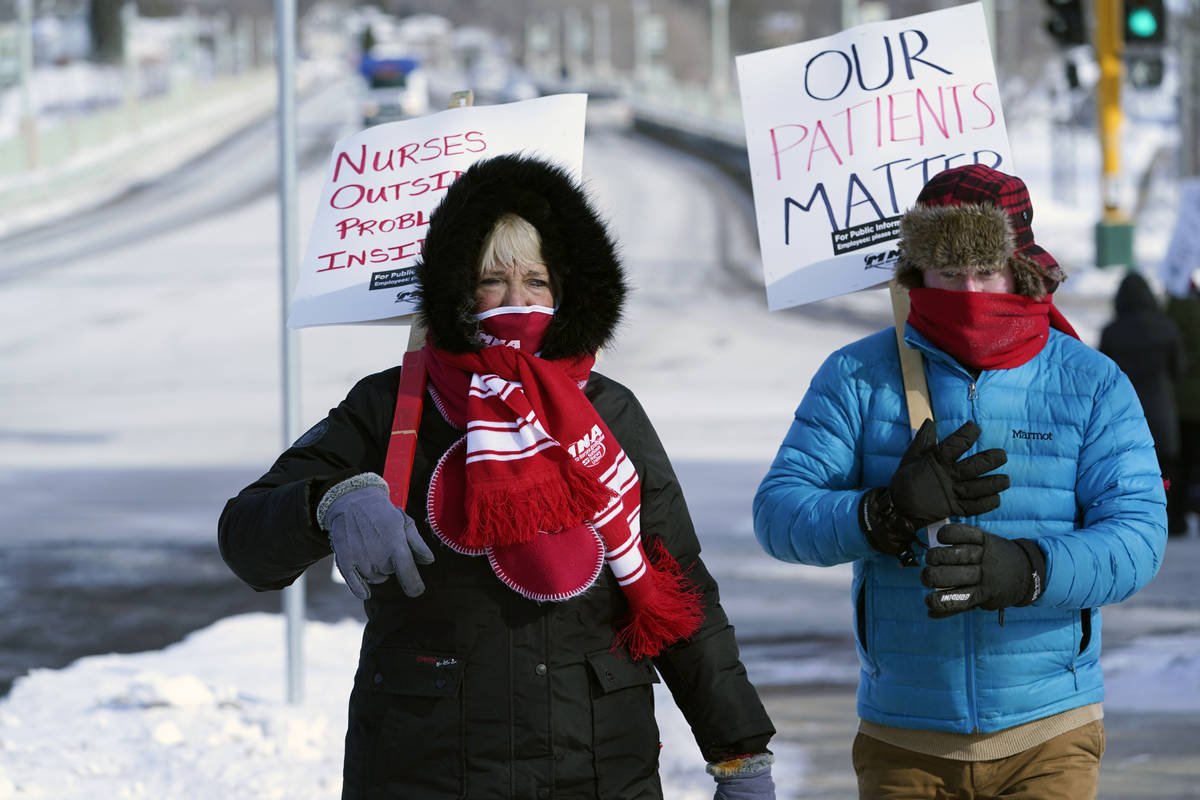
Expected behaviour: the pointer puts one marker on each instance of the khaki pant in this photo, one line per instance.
(1066, 767)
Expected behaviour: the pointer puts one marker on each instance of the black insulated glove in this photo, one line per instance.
(931, 484)
(977, 569)
(887, 531)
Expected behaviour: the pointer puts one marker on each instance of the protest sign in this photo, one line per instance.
(1183, 251)
(383, 183)
(842, 133)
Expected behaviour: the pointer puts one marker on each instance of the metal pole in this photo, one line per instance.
(129, 90)
(573, 42)
(1114, 231)
(989, 13)
(28, 124)
(720, 47)
(1189, 112)
(285, 61)
(641, 59)
(602, 42)
(1108, 97)
(849, 14)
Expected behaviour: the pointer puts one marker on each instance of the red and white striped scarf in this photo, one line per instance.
(542, 487)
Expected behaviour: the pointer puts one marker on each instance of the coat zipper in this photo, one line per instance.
(969, 627)
(969, 622)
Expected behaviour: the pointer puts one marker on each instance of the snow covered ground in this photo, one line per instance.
(206, 719)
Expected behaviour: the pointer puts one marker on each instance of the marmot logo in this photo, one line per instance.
(1016, 434)
(589, 449)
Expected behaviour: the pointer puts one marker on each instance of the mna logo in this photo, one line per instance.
(590, 448)
(1045, 437)
(489, 340)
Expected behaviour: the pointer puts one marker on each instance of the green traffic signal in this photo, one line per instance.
(1145, 22)
(1142, 23)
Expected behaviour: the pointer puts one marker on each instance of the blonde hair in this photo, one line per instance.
(512, 240)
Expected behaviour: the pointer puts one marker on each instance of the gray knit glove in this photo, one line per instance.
(745, 778)
(372, 539)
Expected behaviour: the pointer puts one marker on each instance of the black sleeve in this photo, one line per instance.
(268, 533)
(704, 673)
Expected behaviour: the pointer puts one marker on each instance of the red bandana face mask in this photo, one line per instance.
(984, 330)
(522, 327)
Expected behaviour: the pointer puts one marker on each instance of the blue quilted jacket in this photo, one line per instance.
(1085, 484)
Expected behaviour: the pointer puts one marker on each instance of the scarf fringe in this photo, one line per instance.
(665, 611)
(517, 513)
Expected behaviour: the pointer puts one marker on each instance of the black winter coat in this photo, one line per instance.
(471, 690)
(1185, 313)
(1147, 347)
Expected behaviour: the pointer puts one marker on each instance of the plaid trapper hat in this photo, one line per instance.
(971, 237)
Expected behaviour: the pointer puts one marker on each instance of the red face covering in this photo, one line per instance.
(522, 327)
(984, 330)
(519, 327)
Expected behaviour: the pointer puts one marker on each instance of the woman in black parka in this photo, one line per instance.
(545, 572)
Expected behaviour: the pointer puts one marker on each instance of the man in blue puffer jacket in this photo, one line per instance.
(980, 673)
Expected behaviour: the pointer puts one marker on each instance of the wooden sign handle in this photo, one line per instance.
(916, 388)
(912, 367)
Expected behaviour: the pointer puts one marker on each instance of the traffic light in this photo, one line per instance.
(1066, 23)
(1145, 71)
(1145, 22)
(1145, 31)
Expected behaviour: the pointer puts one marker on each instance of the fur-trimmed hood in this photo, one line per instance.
(589, 281)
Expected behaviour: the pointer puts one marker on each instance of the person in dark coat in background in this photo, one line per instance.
(544, 571)
(1148, 348)
(1183, 498)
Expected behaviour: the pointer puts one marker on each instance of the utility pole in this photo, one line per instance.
(1114, 232)
(602, 66)
(285, 67)
(1189, 99)
(25, 71)
(719, 35)
(850, 15)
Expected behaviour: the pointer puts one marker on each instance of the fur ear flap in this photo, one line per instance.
(1027, 277)
(908, 274)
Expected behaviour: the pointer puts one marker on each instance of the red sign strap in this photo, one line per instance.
(402, 444)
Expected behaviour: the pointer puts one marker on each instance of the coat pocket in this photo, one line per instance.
(863, 628)
(625, 738)
(406, 725)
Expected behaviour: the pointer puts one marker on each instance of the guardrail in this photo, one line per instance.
(88, 158)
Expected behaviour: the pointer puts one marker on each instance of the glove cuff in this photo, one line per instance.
(741, 766)
(886, 530)
(340, 490)
(1037, 566)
